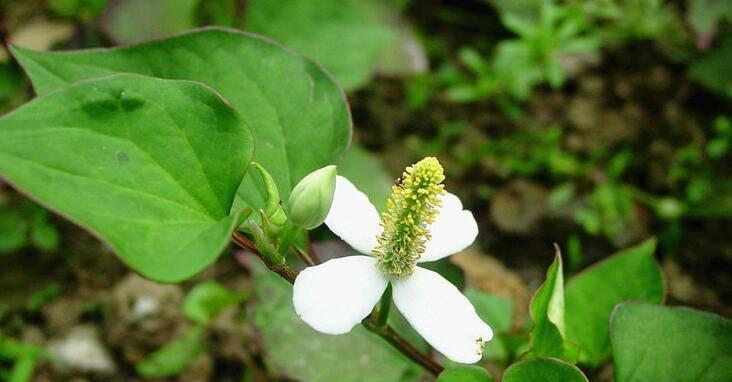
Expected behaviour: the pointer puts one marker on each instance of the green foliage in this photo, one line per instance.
(712, 69)
(23, 357)
(206, 300)
(132, 21)
(94, 152)
(82, 10)
(465, 374)
(548, 336)
(174, 357)
(293, 348)
(657, 343)
(528, 153)
(544, 370)
(534, 57)
(289, 103)
(346, 37)
(590, 296)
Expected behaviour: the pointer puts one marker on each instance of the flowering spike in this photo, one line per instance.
(413, 205)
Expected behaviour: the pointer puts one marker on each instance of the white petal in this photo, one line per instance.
(335, 296)
(453, 230)
(442, 315)
(352, 217)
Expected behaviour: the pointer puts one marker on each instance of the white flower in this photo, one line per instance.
(335, 296)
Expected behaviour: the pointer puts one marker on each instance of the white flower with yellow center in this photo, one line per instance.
(423, 223)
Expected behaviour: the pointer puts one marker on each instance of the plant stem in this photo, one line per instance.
(384, 307)
(285, 271)
(384, 331)
(390, 335)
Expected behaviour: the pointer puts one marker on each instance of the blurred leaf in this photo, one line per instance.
(92, 152)
(42, 296)
(206, 300)
(543, 370)
(368, 174)
(83, 10)
(547, 337)
(13, 230)
(289, 103)
(705, 15)
(591, 295)
(174, 357)
(465, 374)
(658, 343)
(44, 236)
(712, 69)
(131, 21)
(497, 311)
(297, 350)
(345, 36)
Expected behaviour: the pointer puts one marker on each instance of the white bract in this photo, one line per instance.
(337, 295)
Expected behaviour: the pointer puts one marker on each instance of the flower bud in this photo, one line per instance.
(311, 198)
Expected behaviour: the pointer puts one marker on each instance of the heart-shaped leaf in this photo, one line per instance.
(659, 343)
(632, 274)
(296, 112)
(150, 165)
(544, 370)
(465, 373)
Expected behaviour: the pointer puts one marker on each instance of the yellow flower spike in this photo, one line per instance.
(413, 204)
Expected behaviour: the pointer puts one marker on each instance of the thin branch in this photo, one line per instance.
(386, 332)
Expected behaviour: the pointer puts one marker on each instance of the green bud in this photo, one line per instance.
(272, 208)
(311, 199)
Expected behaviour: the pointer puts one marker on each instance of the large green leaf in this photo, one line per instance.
(658, 343)
(548, 336)
(544, 370)
(465, 373)
(344, 35)
(150, 165)
(293, 348)
(297, 114)
(632, 274)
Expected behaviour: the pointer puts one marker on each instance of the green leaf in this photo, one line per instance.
(130, 21)
(712, 69)
(591, 295)
(297, 114)
(368, 174)
(345, 36)
(206, 300)
(13, 230)
(548, 336)
(544, 370)
(295, 349)
(658, 343)
(149, 165)
(175, 356)
(465, 374)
